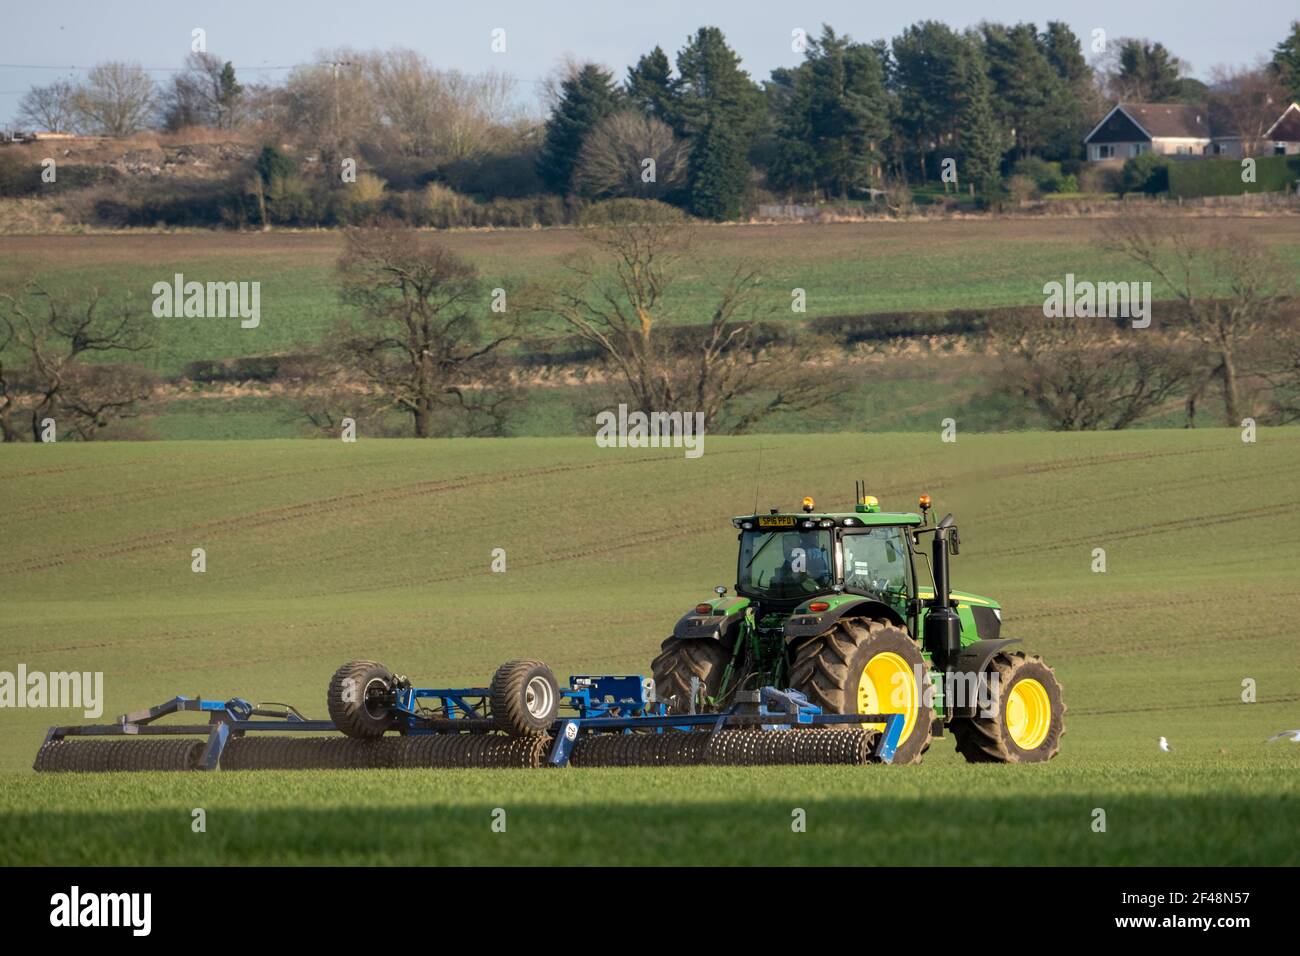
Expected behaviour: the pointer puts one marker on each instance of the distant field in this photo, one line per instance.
(319, 552)
(844, 268)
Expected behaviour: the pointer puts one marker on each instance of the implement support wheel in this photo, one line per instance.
(525, 697)
(358, 699)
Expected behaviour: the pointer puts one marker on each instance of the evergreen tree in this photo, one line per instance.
(1078, 104)
(1148, 73)
(651, 88)
(980, 138)
(719, 112)
(834, 117)
(1028, 93)
(1285, 64)
(229, 90)
(792, 163)
(928, 80)
(586, 98)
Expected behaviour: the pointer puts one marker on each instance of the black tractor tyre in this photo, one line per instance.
(679, 661)
(525, 698)
(358, 699)
(988, 738)
(828, 670)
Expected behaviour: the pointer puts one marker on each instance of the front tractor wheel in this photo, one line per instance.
(1024, 718)
(678, 662)
(869, 667)
(359, 697)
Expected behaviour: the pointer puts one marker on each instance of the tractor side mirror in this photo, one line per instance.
(954, 541)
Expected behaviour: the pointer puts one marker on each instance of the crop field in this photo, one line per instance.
(318, 552)
(848, 268)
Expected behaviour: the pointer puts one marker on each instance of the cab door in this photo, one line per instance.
(878, 564)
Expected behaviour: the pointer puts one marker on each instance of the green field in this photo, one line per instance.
(845, 269)
(318, 552)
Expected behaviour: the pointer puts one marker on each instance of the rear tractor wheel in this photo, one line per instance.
(525, 697)
(867, 666)
(359, 697)
(1024, 719)
(678, 661)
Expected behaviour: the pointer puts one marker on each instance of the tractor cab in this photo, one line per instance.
(785, 560)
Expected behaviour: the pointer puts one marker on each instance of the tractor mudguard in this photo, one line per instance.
(970, 663)
(810, 625)
(710, 627)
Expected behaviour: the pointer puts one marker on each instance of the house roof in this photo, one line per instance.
(1287, 126)
(1175, 120)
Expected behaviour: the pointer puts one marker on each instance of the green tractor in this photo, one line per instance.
(832, 605)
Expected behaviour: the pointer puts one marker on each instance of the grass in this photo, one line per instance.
(318, 552)
(942, 813)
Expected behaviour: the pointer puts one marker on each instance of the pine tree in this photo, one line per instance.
(651, 88)
(832, 117)
(793, 159)
(719, 111)
(1285, 64)
(1078, 103)
(586, 98)
(229, 92)
(1027, 90)
(1148, 73)
(980, 138)
(928, 81)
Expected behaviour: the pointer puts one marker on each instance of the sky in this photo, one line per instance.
(41, 42)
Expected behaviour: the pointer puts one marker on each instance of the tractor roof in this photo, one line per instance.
(803, 521)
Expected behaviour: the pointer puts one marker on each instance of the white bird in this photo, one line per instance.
(1164, 745)
(1294, 735)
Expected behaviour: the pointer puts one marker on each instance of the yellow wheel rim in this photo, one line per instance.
(1029, 713)
(888, 686)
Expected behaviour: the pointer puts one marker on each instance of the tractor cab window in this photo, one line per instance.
(784, 565)
(876, 564)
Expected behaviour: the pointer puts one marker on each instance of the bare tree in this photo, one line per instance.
(550, 89)
(332, 102)
(116, 99)
(1085, 373)
(51, 107)
(1275, 354)
(394, 101)
(618, 301)
(55, 337)
(630, 154)
(426, 340)
(205, 93)
(470, 108)
(1246, 102)
(8, 387)
(445, 115)
(1227, 283)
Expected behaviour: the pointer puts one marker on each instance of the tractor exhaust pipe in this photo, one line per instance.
(942, 637)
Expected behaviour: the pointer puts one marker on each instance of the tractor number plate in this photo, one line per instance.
(776, 521)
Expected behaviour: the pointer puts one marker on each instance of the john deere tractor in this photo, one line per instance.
(851, 611)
